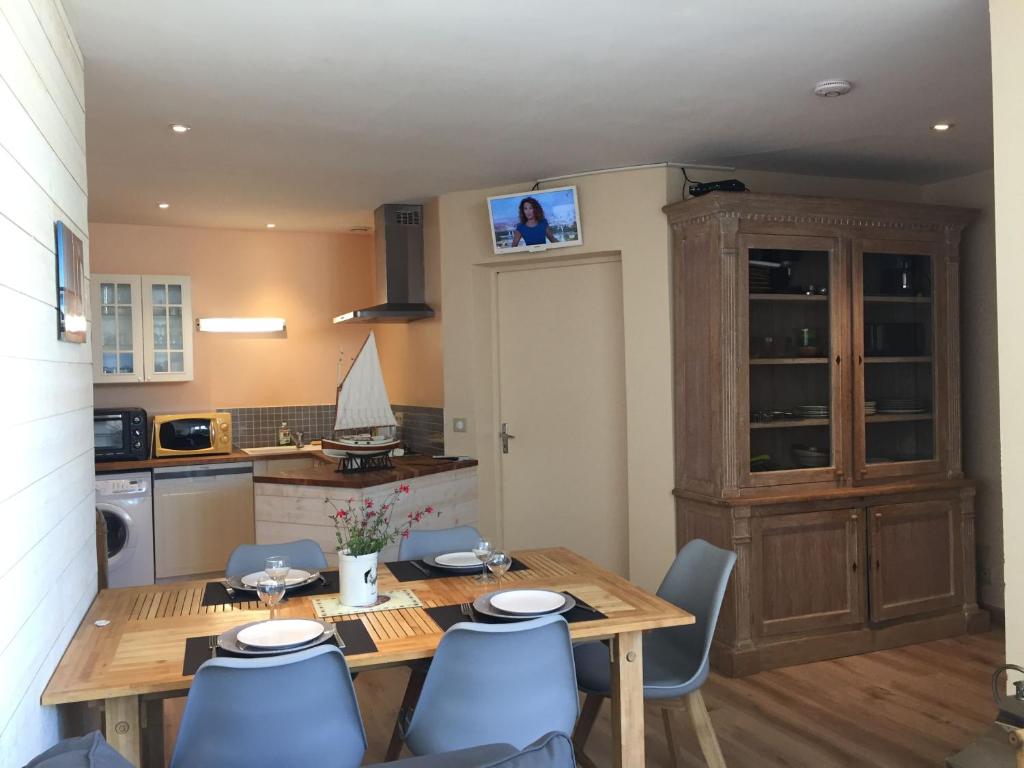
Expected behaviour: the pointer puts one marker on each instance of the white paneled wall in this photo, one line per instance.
(47, 507)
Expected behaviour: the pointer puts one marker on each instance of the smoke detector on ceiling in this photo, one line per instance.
(830, 88)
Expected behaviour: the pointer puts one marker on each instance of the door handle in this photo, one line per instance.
(505, 437)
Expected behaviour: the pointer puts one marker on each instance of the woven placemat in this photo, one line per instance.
(326, 607)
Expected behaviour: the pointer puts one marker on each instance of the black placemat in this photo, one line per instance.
(215, 594)
(447, 615)
(404, 570)
(353, 632)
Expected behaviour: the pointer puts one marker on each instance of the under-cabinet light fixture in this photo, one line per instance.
(241, 324)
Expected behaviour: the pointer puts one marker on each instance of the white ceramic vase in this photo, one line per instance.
(357, 577)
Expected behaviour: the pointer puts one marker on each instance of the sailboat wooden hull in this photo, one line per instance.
(356, 447)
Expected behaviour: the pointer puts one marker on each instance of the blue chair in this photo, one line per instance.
(416, 546)
(419, 544)
(250, 558)
(496, 684)
(675, 658)
(295, 709)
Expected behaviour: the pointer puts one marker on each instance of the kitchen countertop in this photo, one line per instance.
(211, 458)
(323, 472)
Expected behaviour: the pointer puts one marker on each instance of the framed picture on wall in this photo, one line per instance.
(535, 220)
(71, 324)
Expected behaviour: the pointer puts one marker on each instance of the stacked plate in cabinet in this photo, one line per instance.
(904, 405)
(812, 411)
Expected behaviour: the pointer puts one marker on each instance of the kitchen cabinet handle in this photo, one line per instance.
(854, 566)
(838, 359)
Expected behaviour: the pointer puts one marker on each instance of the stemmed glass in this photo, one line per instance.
(277, 567)
(270, 591)
(499, 564)
(483, 551)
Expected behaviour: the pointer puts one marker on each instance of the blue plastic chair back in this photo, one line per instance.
(696, 582)
(295, 709)
(419, 544)
(496, 683)
(250, 558)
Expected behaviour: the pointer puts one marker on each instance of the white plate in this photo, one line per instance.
(520, 601)
(458, 560)
(281, 633)
(482, 605)
(229, 642)
(295, 576)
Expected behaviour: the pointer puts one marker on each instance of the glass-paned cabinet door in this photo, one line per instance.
(167, 320)
(896, 400)
(792, 355)
(117, 328)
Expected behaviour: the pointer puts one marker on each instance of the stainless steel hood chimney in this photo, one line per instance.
(398, 242)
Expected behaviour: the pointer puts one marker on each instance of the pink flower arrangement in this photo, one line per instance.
(366, 528)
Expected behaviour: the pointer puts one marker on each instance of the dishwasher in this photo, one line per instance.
(201, 512)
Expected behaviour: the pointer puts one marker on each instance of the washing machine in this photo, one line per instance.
(126, 503)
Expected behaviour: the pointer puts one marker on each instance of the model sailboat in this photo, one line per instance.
(363, 405)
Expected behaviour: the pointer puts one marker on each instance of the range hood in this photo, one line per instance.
(398, 242)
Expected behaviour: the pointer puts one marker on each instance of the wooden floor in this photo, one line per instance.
(902, 708)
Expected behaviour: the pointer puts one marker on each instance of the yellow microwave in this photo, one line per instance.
(191, 434)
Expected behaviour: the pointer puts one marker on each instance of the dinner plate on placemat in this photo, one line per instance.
(296, 578)
(463, 562)
(229, 640)
(483, 605)
(527, 601)
(282, 633)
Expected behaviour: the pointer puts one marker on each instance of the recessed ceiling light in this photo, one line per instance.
(942, 127)
(180, 128)
(271, 226)
(163, 205)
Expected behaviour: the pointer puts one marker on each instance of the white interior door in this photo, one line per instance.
(562, 395)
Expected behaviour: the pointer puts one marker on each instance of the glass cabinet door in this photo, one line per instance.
(793, 342)
(895, 403)
(168, 325)
(117, 331)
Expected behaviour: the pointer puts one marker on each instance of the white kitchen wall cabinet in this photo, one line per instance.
(145, 328)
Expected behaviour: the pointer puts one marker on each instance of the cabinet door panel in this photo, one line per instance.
(916, 561)
(807, 571)
(117, 329)
(167, 321)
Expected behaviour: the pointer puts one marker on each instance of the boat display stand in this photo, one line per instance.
(367, 462)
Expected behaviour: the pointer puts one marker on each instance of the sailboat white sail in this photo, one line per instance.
(362, 397)
(363, 404)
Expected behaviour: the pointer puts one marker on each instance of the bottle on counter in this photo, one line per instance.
(284, 435)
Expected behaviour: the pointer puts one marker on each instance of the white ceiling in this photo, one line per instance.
(310, 113)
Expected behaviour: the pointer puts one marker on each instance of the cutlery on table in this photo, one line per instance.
(213, 646)
(467, 611)
(337, 635)
(229, 589)
(420, 567)
(584, 605)
(323, 580)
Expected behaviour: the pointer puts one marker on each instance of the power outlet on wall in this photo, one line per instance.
(459, 424)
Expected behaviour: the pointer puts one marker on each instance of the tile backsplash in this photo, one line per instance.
(420, 429)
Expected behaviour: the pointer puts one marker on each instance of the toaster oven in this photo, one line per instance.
(120, 434)
(191, 434)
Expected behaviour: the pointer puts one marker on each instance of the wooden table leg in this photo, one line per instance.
(628, 700)
(122, 727)
(152, 733)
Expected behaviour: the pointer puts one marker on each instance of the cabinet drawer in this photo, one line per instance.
(916, 559)
(807, 571)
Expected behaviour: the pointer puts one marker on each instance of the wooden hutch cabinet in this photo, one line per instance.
(817, 422)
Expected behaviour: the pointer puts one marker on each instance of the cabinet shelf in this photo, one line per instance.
(897, 299)
(787, 297)
(788, 360)
(902, 359)
(889, 417)
(789, 423)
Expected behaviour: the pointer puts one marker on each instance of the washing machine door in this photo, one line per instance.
(119, 531)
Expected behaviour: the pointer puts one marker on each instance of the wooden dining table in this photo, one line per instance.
(128, 653)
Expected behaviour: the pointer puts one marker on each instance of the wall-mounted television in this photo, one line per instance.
(535, 221)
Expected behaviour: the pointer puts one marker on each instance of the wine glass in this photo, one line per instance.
(483, 551)
(270, 592)
(277, 567)
(499, 564)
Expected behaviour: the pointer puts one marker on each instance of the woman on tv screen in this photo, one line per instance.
(532, 228)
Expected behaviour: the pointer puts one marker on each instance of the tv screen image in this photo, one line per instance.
(535, 221)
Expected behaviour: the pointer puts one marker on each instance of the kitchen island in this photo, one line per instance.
(294, 496)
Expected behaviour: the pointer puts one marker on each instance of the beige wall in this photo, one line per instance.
(305, 278)
(980, 368)
(410, 353)
(47, 507)
(1007, 19)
